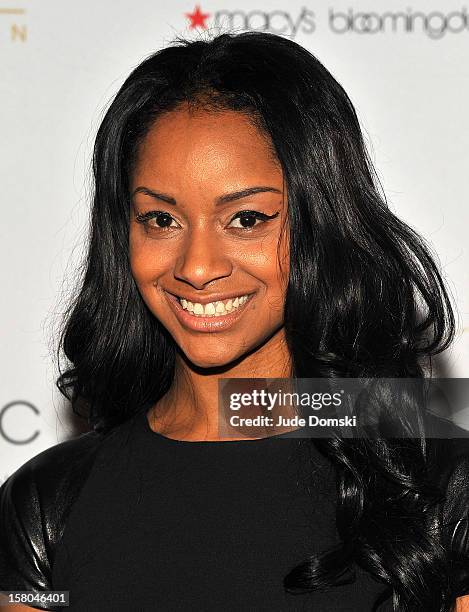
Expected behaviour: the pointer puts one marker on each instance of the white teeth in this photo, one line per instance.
(213, 309)
(198, 309)
(210, 308)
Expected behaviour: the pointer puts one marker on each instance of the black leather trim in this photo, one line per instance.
(35, 502)
(453, 477)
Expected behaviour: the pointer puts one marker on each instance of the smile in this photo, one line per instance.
(213, 316)
(213, 309)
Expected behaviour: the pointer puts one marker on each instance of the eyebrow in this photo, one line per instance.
(223, 199)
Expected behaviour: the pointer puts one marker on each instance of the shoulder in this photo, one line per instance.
(34, 504)
(450, 465)
(449, 462)
(448, 456)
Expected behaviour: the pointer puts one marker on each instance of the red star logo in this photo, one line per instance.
(197, 18)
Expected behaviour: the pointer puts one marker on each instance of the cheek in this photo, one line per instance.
(147, 260)
(283, 264)
(276, 265)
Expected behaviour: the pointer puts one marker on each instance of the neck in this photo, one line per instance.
(190, 408)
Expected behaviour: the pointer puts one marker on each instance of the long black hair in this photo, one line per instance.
(364, 298)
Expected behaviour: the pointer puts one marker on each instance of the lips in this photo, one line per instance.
(200, 323)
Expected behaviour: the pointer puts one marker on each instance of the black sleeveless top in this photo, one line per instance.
(173, 525)
(163, 524)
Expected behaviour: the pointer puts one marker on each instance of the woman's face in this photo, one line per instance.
(195, 174)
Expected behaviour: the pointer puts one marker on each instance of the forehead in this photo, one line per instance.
(206, 144)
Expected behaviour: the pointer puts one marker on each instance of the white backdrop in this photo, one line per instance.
(403, 64)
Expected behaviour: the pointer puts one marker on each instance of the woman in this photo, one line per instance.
(237, 232)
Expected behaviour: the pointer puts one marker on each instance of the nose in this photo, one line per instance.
(202, 260)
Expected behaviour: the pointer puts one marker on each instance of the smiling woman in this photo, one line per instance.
(238, 232)
(209, 259)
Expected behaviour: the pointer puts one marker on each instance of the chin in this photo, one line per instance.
(209, 359)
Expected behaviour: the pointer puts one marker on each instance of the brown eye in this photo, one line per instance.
(248, 218)
(162, 219)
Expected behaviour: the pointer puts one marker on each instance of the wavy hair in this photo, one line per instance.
(364, 297)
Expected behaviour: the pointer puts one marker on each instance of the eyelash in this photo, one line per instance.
(144, 218)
